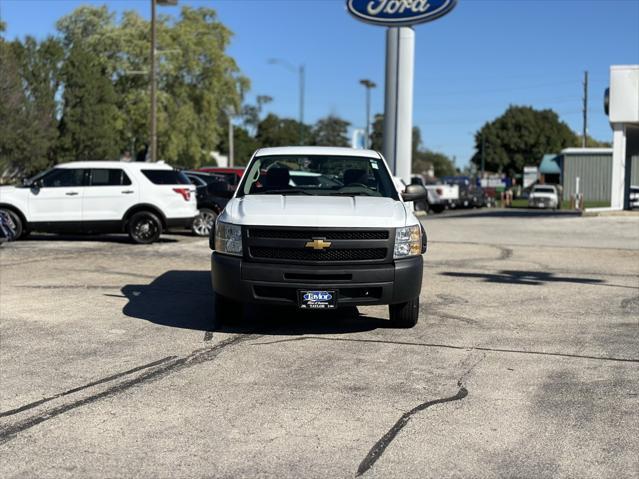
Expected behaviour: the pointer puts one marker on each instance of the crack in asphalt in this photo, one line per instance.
(163, 368)
(380, 446)
(452, 346)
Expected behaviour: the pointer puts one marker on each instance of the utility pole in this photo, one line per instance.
(368, 85)
(302, 81)
(154, 125)
(153, 156)
(231, 140)
(483, 147)
(584, 142)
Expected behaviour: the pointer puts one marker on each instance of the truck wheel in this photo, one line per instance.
(225, 309)
(18, 227)
(404, 315)
(144, 227)
(437, 208)
(204, 222)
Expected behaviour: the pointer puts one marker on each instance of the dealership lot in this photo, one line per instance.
(525, 362)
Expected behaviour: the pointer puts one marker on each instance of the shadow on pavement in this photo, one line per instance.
(504, 213)
(522, 277)
(184, 299)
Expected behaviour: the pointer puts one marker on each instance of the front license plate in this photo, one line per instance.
(317, 299)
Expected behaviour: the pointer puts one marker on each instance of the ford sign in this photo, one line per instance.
(394, 13)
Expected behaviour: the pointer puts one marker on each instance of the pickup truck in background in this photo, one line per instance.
(440, 195)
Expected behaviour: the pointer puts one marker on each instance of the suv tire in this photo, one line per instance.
(19, 230)
(204, 222)
(144, 227)
(404, 315)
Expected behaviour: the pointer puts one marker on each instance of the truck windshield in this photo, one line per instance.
(317, 175)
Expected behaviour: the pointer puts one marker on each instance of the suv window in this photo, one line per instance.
(109, 177)
(63, 177)
(166, 177)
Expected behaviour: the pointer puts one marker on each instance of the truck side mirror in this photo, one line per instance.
(414, 193)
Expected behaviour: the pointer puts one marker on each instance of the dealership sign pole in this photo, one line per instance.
(399, 16)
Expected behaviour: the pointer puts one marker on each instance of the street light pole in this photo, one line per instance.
(368, 85)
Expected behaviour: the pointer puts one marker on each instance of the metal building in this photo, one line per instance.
(586, 169)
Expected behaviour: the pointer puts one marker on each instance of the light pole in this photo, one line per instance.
(368, 85)
(154, 119)
(301, 72)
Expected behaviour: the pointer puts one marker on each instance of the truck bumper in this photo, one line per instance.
(274, 283)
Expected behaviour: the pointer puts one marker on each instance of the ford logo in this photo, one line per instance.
(399, 12)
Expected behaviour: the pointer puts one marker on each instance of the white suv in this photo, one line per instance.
(141, 199)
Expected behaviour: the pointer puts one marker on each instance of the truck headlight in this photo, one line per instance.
(408, 242)
(228, 238)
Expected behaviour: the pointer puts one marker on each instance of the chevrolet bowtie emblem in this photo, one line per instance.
(318, 244)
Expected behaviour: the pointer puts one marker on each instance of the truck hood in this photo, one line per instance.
(330, 211)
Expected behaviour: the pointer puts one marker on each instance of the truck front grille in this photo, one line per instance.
(308, 234)
(303, 254)
(296, 245)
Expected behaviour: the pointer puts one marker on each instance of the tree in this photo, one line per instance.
(90, 122)
(441, 164)
(197, 80)
(244, 145)
(276, 131)
(377, 133)
(520, 137)
(330, 131)
(27, 110)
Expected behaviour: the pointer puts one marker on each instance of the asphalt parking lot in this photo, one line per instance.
(525, 362)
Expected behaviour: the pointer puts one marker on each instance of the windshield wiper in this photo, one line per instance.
(352, 193)
(284, 191)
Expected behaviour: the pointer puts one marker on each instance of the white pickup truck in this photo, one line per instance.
(346, 241)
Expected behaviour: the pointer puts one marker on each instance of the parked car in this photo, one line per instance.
(213, 192)
(544, 196)
(141, 199)
(634, 196)
(319, 246)
(234, 174)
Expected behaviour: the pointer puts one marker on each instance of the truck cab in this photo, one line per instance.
(348, 239)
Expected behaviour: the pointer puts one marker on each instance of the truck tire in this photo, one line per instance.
(144, 227)
(404, 315)
(226, 310)
(437, 208)
(18, 230)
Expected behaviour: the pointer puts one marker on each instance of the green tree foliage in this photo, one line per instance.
(330, 131)
(197, 80)
(244, 144)
(276, 131)
(91, 121)
(441, 164)
(28, 124)
(520, 137)
(377, 133)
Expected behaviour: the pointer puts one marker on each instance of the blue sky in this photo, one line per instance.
(469, 65)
